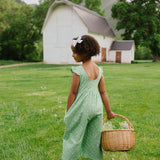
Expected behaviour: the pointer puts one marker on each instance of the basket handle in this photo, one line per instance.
(117, 115)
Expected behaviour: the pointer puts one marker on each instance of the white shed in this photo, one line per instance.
(65, 20)
(122, 51)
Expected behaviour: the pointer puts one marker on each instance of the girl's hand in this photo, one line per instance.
(110, 115)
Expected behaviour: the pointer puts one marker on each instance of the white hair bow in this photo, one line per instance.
(78, 40)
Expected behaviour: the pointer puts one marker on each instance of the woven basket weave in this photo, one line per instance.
(118, 139)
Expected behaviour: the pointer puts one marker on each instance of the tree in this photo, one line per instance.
(18, 40)
(94, 5)
(141, 21)
(77, 1)
(19, 1)
(40, 12)
(8, 11)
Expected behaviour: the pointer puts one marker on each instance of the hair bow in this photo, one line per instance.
(78, 40)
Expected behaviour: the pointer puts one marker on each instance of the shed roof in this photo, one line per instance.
(93, 21)
(122, 45)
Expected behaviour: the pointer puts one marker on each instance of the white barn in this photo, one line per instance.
(65, 20)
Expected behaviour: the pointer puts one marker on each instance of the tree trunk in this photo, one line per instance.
(156, 58)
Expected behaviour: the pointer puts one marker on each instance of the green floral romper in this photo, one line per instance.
(83, 120)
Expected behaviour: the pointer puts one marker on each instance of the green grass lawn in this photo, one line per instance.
(142, 61)
(8, 62)
(33, 101)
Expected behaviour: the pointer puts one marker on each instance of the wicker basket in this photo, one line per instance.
(118, 139)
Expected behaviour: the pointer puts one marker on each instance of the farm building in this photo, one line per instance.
(65, 20)
(122, 51)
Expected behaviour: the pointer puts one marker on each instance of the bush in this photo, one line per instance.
(143, 53)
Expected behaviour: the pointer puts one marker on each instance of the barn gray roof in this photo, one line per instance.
(122, 45)
(93, 21)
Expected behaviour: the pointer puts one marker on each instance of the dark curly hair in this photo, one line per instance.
(89, 46)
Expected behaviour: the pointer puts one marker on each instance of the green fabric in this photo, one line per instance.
(83, 121)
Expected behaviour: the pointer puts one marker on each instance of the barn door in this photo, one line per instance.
(103, 57)
(118, 57)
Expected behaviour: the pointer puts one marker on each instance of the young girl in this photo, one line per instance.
(84, 114)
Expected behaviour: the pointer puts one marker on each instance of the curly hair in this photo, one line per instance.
(89, 46)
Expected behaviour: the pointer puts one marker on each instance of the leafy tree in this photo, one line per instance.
(8, 12)
(40, 13)
(94, 5)
(19, 1)
(77, 1)
(141, 21)
(18, 40)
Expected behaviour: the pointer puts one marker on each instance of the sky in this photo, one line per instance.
(31, 1)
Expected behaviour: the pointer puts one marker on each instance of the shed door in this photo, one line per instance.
(118, 57)
(103, 58)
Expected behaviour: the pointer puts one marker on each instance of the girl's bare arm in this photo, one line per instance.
(105, 99)
(73, 90)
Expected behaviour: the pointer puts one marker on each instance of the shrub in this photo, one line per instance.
(143, 53)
